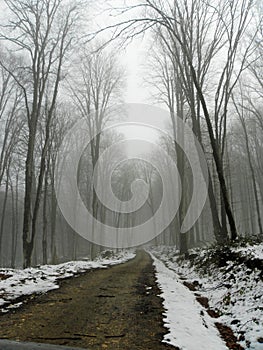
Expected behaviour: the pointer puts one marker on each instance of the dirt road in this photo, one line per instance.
(115, 308)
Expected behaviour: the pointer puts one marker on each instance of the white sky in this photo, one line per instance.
(133, 59)
(132, 56)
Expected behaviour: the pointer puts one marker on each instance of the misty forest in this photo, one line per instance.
(62, 61)
(203, 63)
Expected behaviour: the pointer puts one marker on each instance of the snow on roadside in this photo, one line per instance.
(15, 283)
(190, 328)
(234, 290)
(255, 251)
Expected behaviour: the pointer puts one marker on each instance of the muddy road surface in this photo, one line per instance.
(113, 308)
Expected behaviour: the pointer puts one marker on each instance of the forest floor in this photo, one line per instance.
(227, 281)
(114, 308)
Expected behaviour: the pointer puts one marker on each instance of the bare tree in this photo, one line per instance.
(225, 30)
(178, 95)
(97, 84)
(240, 110)
(44, 32)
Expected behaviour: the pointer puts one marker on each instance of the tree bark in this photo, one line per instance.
(217, 159)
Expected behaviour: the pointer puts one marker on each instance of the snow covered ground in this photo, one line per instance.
(234, 291)
(190, 328)
(16, 283)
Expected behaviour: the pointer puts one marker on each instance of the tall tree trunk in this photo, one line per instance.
(179, 135)
(250, 203)
(3, 216)
(217, 157)
(14, 219)
(53, 223)
(45, 220)
(28, 239)
(220, 232)
(223, 213)
(254, 183)
(16, 224)
(220, 235)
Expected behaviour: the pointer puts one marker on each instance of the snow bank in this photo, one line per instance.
(234, 290)
(15, 283)
(190, 328)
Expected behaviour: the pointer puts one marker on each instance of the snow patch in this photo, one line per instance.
(234, 290)
(190, 328)
(46, 277)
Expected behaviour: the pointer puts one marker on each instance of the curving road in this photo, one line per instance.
(115, 308)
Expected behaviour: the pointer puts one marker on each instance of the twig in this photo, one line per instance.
(115, 336)
(86, 335)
